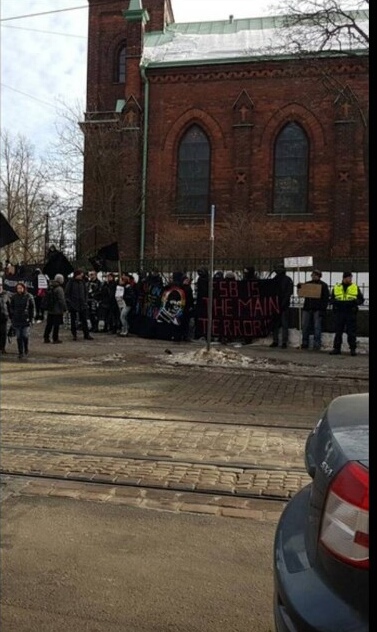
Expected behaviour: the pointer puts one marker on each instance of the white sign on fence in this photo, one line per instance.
(298, 262)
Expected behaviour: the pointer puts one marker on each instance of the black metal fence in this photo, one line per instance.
(331, 267)
(261, 265)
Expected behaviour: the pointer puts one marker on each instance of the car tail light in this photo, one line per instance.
(345, 521)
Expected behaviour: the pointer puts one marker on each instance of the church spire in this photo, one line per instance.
(136, 12)
(135, 5)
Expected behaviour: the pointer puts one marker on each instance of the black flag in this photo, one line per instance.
(57, 263)
(98, 264)
(109, 253)
(7, 234)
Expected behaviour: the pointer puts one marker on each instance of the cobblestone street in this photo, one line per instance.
(119, 412)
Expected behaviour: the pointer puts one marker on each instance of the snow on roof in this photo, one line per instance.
(207, 42)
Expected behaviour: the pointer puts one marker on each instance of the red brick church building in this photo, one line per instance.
(180, 117)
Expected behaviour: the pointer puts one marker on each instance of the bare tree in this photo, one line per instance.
(25, 198)
(98, 143)
(322, 25)
(65, 160)
(327, 26)
(178, 241)
(243, 229)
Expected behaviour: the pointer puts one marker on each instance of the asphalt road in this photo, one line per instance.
(91, 567)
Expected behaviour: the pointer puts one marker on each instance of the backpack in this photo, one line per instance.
(48, 300)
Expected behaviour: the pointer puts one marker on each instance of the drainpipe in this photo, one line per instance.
(144, 165)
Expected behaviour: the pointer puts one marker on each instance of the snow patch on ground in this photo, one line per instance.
(218, 357)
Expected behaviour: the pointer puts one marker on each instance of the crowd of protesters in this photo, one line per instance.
(93, 303)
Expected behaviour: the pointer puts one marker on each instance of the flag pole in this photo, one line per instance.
(210, 279)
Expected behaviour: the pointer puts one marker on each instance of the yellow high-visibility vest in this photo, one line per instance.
(348, 294)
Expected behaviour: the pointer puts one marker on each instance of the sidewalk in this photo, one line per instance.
(111, 347)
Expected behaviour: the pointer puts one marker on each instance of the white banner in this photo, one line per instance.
(298, 262)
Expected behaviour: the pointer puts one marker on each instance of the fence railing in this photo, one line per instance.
(261, 264)
(332, 269)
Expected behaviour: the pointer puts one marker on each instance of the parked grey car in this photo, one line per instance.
(321, 548)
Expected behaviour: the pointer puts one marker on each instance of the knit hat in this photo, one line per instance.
(59, 278)
(317, 273)
(347, 274)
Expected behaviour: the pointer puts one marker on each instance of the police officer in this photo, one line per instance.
(345, 299)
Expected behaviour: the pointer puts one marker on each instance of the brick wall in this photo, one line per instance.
(241, 108)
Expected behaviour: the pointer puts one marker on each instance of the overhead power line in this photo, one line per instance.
(23, 28)
(30, 96)
(34, 15)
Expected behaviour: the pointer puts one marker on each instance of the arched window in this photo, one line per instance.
(120, 65)
(194, 165)
(291, 163)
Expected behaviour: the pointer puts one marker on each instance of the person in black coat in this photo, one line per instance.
(4, 316)
(189, 312)
(76, 296)
(202, 291)
(285, 291)
(55, 310)
(22, 312)
(108, 311)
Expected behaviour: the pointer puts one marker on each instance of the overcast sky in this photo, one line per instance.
(43, 58)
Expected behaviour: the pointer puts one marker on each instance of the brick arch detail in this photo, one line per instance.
(112, 48)
(185, 121)
(299, 114)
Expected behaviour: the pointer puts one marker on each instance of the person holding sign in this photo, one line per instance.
(40, 282)
(316, 294)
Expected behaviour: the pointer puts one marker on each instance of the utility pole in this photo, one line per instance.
(210, 280)
(47, 235)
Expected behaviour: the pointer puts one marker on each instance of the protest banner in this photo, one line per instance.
(240, 309)
(160, 311)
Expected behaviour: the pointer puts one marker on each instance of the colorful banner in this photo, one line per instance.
(160, 312)
(240, 309)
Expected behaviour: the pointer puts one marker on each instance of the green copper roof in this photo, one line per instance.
(135, 5)
(135, 12)
(229, 40)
